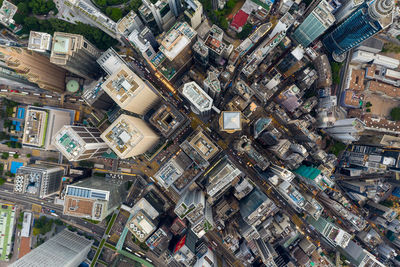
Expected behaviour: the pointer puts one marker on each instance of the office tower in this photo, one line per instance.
(190, 205)
(346, 9)
(110, 61)
(158, 14)
(129, 91)
(35, 67)
(226, 208)
(185, 250)
(267, 252)
(94, 95)
(382, 211)
(323, 67)
(315, 24)
(141, 225)
(333, 234)
(204, 222)
(66, 249)
(40, 42)
(148, 35)
(193, 12)
(176, 46)
(142, 45)
(93, 198)
(167, 119)
(75, 54)
(41, 124)
(283, 173)
(223, 175)
(200, 101)
(200, 54)
(363, 23)
(39, 181)
(256, 207)
(292, 62)
(129, 23)
(176, 6)
(207, 260)
(346, 130)
(212, 86)
(79, 142)
(159, 241)
(129, 136)
(358, 256)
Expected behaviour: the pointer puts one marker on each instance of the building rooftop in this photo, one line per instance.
(357, 80)
(167, 119)
(141, 226)
(127, 23)
(387, 89)
(123, 85)
(203, 145)
(214, 44)
(239, 20)
(41, 124)
(110, 61)
(39, 41)
(7, 12)
(231, 121)
(169, 173)
(176, 39)
(307, 172)
(197, 97)
(123, 136)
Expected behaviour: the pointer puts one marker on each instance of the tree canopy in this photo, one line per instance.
(395, 114)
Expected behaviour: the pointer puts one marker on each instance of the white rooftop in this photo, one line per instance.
(231, 120)
(197, 97)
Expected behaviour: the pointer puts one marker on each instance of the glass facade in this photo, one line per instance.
(355, 29)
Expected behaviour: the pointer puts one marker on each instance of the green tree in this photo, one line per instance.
(368, 104)
(395, 114)
(4, 136)
(28, 155)
(246, 30)
(16, 156)
(2, 181)
(5, 155)
(114, 13)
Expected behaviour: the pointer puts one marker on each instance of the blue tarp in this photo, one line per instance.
(15, 166)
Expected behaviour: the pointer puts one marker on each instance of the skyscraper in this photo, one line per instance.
(39, 181)
(363, 23)
(66, 249)
(35, 67)
(129, 91)
(75, 54)
(129, 136)
(315, 24)
(200, 102)
(346, 130)
(346, 9)
(94, 198)
(79, 142)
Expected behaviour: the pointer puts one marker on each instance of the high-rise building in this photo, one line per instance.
(66, 249)
(333, 234)
(256, 207)
(200, 54)
(110, 61)
(382, 211)
(207, 260)
(158, 242)
(41, 124)
(141, 44)
(193, 12)
(190, 205)
(39, 181)
(129, 136)
(363, 23)
(160, 12)
(35, 67)
(200, 101)
(94, 198)
(75, 54)
(176, 6)
(223, 175)
(129, 91)
(40, 42)
(79, 142)
(129, 23)
(315, 24)
(212, 85)
(346, 9)
(346, 130)
(185, 250)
